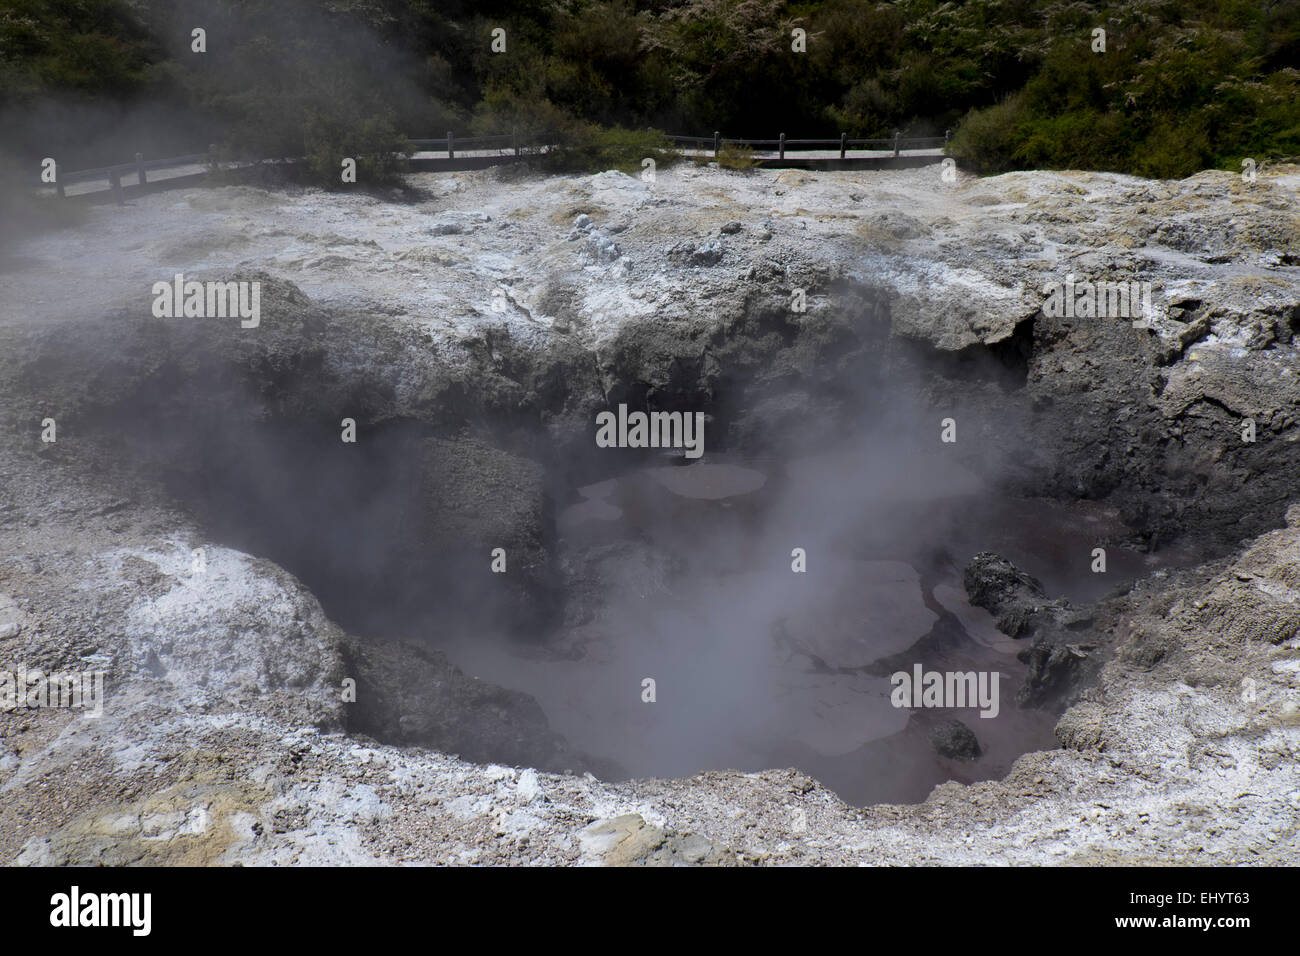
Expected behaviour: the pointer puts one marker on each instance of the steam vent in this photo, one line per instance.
(425, 441)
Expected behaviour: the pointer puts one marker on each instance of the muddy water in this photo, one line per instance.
(756, 665)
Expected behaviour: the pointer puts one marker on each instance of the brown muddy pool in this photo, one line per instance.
(757, 665)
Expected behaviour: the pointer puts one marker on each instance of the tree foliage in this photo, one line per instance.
(1182, 84)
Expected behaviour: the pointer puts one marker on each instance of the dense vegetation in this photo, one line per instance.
(1182, 84)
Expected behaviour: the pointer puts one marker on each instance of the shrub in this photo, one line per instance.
(1173, 150)
(734, 155)
(379, 150)
(986, 140)
(592, 149)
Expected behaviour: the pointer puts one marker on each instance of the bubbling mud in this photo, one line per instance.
(769, 602)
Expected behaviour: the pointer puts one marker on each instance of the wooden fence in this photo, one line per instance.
(508, 147)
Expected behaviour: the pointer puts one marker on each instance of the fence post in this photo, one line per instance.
(139, 168)
(896, 136)
(844, 143)
(947, 135)
(717, 143)
(781, 154)
(115, 180)
(451, 145)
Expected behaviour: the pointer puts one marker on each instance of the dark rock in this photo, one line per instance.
(472, 499)
(955, 740)
(1015, 599)
(1054, 667)
(1062, 653)
(706, 254)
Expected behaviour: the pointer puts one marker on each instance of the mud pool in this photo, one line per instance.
(756, 665)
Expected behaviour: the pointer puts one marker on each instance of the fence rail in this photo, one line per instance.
(781, 145)
(510, 145)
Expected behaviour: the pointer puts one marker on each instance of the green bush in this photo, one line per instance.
(1075, 139)
(593, 149)
(71, 46)
(379, 150)
(1173, 150)
(734, 155)
(986, 140)
(526, 116)
(559, 141)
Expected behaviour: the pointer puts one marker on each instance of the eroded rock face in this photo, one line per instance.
(410, 695)
(223, 734)
(478, 507)
(519, 325)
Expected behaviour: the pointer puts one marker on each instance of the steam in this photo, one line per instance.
(267, 68)
(759, 588)
(756, 664)
(677, 571)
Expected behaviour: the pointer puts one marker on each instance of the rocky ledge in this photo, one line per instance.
(483, 320)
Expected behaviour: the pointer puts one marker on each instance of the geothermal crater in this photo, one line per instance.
(493, 584)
